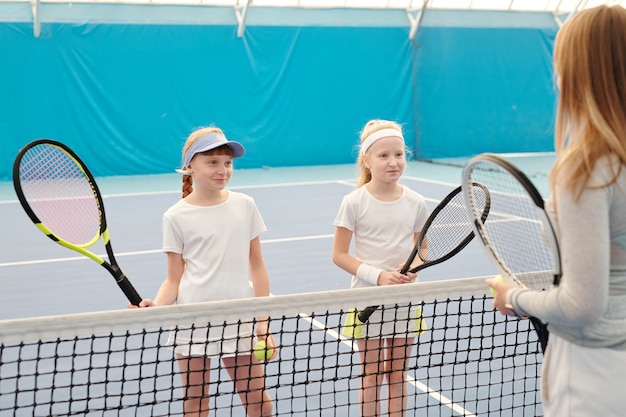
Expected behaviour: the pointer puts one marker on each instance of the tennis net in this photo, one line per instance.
(471, 361)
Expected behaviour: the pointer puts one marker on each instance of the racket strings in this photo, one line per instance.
(60, 194)
(450, 227)
(516, 228)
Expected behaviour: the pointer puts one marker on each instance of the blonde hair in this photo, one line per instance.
(590, 65)
(187, 186)
(369, 128)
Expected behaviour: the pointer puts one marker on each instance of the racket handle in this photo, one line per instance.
(364, 315)
(128, 289)
(542, 332)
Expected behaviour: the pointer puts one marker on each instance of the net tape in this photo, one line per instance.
(471, 361)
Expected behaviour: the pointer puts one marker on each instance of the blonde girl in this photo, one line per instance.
(384, 218)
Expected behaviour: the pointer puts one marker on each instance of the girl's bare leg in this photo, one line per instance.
(194, 374)
(398, 353)
(372, 368)
(248, 375)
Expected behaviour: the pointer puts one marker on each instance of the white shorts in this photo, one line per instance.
(580, 381)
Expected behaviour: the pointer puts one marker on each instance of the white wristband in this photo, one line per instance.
(368, 273)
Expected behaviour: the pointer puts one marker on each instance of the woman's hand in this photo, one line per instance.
(500, 290)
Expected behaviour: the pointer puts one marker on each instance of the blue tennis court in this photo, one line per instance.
(298, 206)
(41, 278)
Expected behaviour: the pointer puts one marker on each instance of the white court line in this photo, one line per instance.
(526, 154)
(450, 184)
(148, 252)
(349, 182)
(235, 187)
(152, 251)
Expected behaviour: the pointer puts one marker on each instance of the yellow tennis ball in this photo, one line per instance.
(262, 352)
(497, 278)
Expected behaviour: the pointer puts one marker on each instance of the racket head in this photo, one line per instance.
(519, 237)
(448, 229)
(59, 193)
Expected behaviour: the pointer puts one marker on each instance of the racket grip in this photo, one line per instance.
(129, 290)
(542, 332)
(364, 315)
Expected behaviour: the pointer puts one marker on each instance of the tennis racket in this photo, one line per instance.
(61, 197)
(446, 232)
(519, 238)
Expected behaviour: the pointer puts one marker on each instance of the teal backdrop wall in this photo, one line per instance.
(125, 94)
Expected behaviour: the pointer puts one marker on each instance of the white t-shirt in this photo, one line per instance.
(215, 244)
(383, 230)
(383, 237)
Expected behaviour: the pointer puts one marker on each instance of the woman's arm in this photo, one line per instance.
(582, 296)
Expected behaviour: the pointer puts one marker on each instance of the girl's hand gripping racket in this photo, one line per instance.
(61, 197)
(519, 238)
(446, 232)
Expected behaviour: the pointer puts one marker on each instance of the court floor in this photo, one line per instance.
(40, 278)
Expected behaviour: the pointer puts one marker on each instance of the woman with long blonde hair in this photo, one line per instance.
(585, 362)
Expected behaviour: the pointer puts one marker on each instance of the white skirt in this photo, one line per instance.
(580, 381)
(227, 340)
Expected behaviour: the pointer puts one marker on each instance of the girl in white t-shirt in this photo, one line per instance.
(211, 237)
(385, 219)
